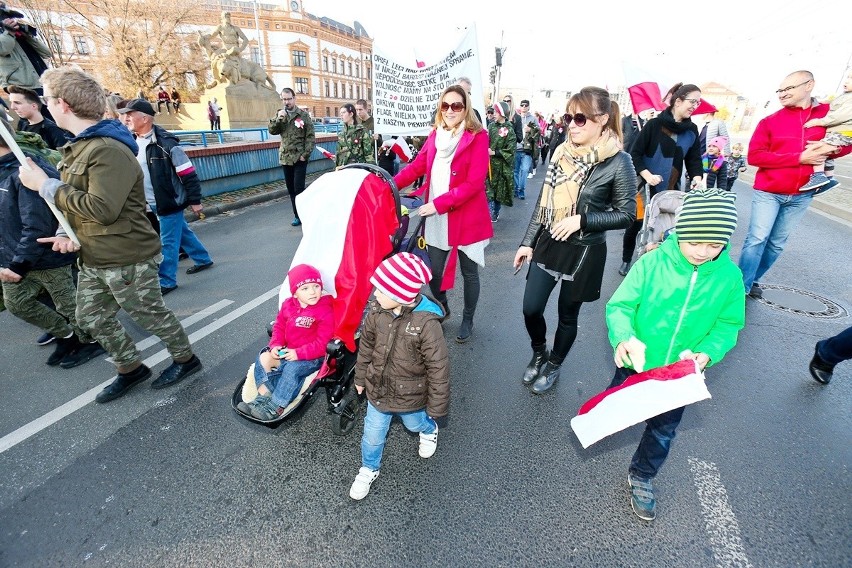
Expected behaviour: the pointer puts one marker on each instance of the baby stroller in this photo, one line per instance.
(660, 216)
(351, 221)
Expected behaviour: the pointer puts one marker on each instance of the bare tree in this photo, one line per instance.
(139, 44)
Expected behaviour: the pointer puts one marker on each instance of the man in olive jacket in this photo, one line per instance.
(297, 142)
(101, 193)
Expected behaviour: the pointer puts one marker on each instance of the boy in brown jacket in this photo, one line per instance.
(402, 362)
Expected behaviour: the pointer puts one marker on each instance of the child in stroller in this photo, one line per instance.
(303, 328)
(660, 218)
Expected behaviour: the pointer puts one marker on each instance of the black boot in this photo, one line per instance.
(540, 355)
(64, 347)
(625, 267)
(547, 378)
(465, 330)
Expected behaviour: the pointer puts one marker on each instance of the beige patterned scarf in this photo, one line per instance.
(568, 169)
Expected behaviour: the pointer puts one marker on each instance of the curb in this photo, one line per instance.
(831, 209)
(213, 210)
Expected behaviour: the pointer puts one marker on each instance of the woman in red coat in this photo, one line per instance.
(454, 160)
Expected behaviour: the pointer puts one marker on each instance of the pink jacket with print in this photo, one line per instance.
(307, 330)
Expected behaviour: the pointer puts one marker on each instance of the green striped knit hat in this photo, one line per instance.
(707, 216)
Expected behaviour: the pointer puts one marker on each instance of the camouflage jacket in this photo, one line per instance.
(354, 146)
(297, 136)
(35, 144)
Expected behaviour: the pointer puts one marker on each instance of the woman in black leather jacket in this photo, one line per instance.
(590, 188)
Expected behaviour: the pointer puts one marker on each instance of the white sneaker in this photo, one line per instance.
(361, 486)
(428, 444)
(530, 175)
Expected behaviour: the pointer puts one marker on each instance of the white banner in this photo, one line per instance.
(405, 97)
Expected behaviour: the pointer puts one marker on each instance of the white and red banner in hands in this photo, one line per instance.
(640, 397)
(405, 95)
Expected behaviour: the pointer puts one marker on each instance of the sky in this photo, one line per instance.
(746, 45)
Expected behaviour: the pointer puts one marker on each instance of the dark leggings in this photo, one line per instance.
(294, 178)
(470, 276)
(539, 286)
(629, 245)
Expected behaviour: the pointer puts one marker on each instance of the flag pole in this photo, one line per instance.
(9, 138)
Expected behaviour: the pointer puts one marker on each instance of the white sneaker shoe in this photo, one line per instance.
(361, 486)
(428, 444)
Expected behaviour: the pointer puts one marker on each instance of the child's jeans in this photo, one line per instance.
(376, 425)
(656, 439)
(285, 381)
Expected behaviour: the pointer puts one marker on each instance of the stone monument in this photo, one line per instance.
(245, 92)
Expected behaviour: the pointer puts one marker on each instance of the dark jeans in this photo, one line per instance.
(539, 286)
(470, 276)
(629, 243)
(836, 349)
(656, 439)
(294, 177)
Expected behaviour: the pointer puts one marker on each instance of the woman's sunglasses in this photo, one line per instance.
(457, 107)
(578, 118)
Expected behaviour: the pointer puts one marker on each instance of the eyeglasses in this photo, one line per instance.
(692, 102)
(457, 107)
(489, 111)
(507, 100)
(46, 98)
(788, 89)
(578, 118)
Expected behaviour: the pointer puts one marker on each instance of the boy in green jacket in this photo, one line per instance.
(682, 301)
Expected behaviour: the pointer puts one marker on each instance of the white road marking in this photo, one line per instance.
(27, 430)
(186, 322)
(719, 518)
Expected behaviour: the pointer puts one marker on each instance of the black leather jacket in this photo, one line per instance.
(607, 201)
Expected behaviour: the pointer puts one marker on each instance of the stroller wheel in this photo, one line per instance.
(344, 422)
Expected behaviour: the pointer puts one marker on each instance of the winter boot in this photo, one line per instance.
(540, 355)
(465, 330)
(547, 378)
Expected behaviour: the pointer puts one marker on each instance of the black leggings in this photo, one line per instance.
(539, 286)
(294, 179)
(629, 244)
(470, 275)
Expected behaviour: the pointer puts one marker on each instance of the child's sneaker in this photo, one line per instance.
(817, 179)
(428, 444)
(642, 497)
(263, 408)
(831, 184)
(361, 486)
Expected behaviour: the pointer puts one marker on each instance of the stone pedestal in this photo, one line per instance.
(244, 105)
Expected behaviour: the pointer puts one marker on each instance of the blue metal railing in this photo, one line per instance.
(205, 137)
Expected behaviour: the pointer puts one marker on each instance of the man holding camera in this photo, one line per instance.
(22, 54)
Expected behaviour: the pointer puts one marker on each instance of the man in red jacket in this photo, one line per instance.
(782, 150)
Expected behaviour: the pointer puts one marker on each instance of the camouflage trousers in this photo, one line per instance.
(135, 288)
(21, 298)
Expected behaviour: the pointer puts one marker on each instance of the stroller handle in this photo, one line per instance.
(389, 179)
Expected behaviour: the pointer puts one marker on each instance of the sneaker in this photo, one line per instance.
(85, 353)
(65, 346)
(521, 195)
(45, 339)
(756, 291)
(296, 222)
(817, 179)
(494, 217)
(832, 183)
(820, 370)
(263, 408)
(642, 497)
(530, 175)
(428, 444)
(361, 486)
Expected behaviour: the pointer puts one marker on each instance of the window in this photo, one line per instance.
(349, 66)
(56, 43)
(335, 90)
(357, 91)
(327, 89)
(328, 111)
(369, 73)
(369, 94)
(333, 65)
(81, 45)
(300, 58)
(325, 62)
(301, 85)
(255, 55)
(358, 71)
(349, 86)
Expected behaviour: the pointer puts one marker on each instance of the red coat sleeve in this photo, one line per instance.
(416, 168)
(474, 182)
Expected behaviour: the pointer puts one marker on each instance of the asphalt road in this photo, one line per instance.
(758, 476)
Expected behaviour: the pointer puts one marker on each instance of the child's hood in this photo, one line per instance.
(427, 305)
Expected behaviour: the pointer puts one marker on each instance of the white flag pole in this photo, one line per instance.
(9, 138)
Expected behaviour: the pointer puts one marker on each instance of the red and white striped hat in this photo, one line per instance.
(401, 276)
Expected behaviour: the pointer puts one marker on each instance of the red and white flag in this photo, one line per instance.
(326, 153)
(640, 397)
(646, 90)
(400, 148)
(348, 218)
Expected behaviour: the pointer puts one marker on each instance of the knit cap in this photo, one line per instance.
(707, 216)
(502, 109)
(302, 274)
(719, 141)
(401, 276)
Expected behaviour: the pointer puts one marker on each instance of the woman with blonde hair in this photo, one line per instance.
(454, 160)
(589, 188)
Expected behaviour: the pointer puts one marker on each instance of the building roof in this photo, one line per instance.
(717, 89)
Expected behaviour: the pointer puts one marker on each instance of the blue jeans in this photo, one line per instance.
(175, 234)
(773, 218)
(836, 349)
(285, 381)
(376, 425)
(523, 163)
(656, 439)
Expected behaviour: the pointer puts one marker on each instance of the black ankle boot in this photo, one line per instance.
(540, 355)
(465, 330)
(546, 378)
(624, 268)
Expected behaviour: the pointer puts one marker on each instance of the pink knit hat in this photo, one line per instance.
(719, 141)
(302, 274)
(401, 276)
